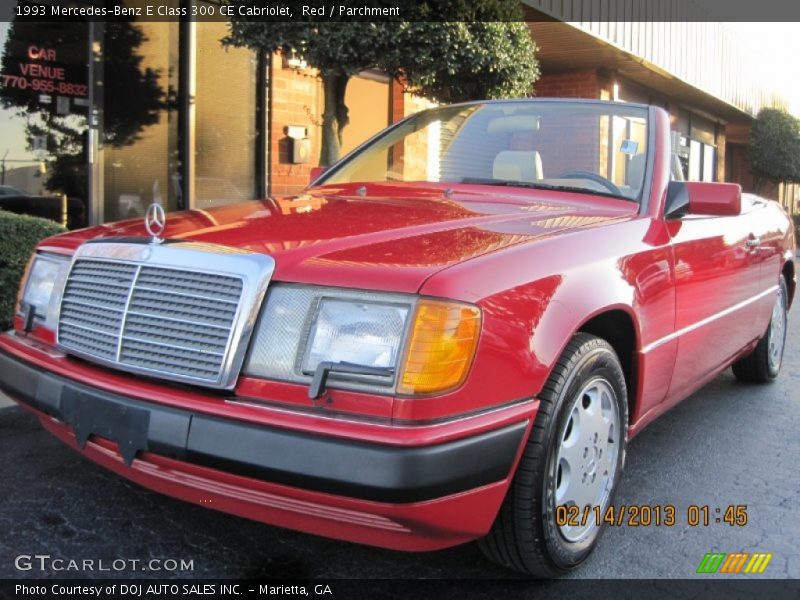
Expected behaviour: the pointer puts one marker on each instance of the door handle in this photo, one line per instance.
(753, 242)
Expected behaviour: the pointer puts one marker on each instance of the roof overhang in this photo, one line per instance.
(565, 47)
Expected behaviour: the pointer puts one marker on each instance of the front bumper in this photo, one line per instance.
(404, 497)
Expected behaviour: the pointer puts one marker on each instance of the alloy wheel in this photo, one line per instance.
(587, 455)
(777, 332)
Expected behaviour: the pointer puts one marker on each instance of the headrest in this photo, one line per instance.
(518, 165)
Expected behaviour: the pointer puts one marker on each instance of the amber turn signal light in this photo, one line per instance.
(443, 340)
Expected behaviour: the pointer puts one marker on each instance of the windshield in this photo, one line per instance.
(586, 146)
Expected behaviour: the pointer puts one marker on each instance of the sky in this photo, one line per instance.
(779, 46)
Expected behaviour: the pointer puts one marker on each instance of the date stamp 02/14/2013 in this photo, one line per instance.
(657, 515)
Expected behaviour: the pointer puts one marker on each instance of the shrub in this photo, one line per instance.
(19, 235)
(775, 147)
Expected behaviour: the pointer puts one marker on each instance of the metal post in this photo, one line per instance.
(262, 124)
(95, 210)
(3, 169)
(187, 70)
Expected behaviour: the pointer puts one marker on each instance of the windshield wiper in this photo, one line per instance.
(543, 186)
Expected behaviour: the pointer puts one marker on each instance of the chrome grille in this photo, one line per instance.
(164, 321)
(93, 306)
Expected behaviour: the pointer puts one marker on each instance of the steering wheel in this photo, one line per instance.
(606, 183)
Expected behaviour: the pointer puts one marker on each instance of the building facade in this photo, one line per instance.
(118, 114)
(669, 54)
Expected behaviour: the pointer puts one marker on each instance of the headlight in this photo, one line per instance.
(361, 333)
(426, 346)
(44, 286)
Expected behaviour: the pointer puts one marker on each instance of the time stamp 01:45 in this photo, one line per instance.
(644, 515)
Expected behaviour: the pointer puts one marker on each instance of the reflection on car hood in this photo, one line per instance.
(394, 238)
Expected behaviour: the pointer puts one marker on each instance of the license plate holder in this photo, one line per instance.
(91, 415)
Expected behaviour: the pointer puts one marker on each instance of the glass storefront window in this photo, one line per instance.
(225, 119)
(702, 161)
(43, 110)
(140, 117)
(709, 162)
(695, 160)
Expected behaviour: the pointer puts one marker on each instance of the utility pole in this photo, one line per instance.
(3, 168)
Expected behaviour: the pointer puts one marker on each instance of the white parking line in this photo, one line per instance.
(5, 401)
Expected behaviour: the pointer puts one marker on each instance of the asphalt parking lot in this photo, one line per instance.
(729, 444)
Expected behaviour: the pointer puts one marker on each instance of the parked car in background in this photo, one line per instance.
(7, 190)
(69, 212)
(451, 335)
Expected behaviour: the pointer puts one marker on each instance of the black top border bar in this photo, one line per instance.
(328, 11)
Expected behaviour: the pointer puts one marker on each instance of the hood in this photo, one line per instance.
(389, 237)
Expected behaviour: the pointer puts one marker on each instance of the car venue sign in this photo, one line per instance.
(44, 74)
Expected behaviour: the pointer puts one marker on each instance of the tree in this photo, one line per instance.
(337, 50)
(488, 56)
(456, 61)
(775, 147)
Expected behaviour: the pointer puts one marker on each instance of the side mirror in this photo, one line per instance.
(703, 198)
(315, 173)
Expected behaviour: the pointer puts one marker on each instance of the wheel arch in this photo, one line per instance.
(609, 314)
(617, 327)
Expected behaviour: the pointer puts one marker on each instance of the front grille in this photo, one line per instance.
(165, 321)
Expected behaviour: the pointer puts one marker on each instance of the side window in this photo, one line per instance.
(627, 153)
(676, 168)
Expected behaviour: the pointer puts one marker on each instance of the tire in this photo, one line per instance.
(763, 364)
(525, 536)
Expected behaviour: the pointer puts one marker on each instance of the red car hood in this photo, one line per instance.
(392, 239)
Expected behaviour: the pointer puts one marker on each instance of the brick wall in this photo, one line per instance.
(295, 99)
(721, 153)
(584, 153)
(568, 143)
(574, 84)
(397, 100)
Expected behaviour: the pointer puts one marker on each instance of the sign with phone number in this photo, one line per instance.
(48, 86)
(36, 71)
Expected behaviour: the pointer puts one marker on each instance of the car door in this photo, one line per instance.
(717, 284)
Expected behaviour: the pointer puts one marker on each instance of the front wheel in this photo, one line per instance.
(763, 364)
(573, 458)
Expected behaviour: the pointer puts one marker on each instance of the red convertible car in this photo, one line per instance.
(451, 335)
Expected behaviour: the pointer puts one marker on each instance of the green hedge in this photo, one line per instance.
(19, 235)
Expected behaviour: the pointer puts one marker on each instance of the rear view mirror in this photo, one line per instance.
(315, 173)
(703, 198)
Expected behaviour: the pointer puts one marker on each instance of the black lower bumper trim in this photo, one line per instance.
(344, 467)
